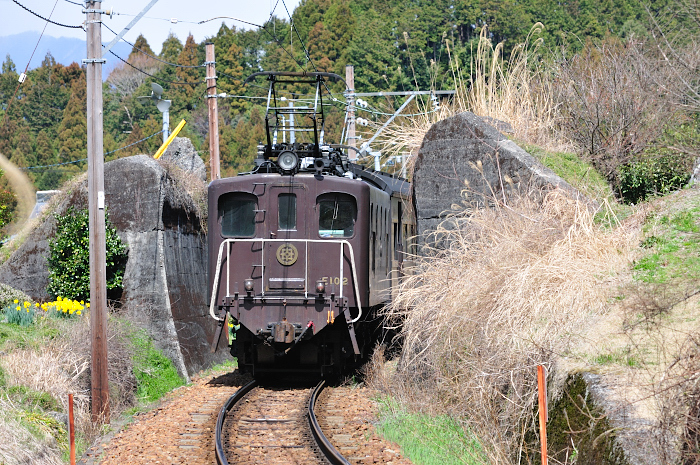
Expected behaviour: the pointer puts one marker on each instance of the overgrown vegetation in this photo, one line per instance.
(69, 260)
(41, 362)
(509, 271)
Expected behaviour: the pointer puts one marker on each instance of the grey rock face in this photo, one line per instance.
(465, 159)
(695, 178)
(181, 152)
(165, 281)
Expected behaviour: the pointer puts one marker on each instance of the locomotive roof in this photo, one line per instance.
(387, 182)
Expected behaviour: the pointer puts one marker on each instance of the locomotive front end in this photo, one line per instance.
(287, 251)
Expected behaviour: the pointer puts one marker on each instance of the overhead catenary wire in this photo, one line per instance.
(273, 35)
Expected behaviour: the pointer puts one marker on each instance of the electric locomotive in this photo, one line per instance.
(304, 249)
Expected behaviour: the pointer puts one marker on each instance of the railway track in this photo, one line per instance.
(271, 425)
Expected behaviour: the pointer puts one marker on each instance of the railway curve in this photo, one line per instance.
(279, 425)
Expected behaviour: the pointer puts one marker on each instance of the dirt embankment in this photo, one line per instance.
(23, 189)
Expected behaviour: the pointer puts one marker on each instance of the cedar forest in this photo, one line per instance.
(394, 45)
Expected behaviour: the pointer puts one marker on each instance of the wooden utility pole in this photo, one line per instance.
(350, 80)
(213, 113)
(96, 208)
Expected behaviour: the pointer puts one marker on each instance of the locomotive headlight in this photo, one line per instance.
(248, 285)
(320, 287)
(287, 161)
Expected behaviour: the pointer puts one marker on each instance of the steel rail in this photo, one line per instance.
(220, 455)
(325, 445)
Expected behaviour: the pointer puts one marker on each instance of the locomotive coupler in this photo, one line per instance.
(283, 332)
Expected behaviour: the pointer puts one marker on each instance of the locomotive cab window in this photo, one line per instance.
(287, 212)
(337, 215)
(237, 214)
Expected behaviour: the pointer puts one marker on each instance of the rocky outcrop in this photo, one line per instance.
(463, 158)
(182, 154)
(165, 281)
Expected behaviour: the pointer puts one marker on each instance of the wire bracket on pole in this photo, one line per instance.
(88, 61)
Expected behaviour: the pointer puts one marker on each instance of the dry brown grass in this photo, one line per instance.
(516, 283)
(17, 445)
(61, 367)
(515, 91)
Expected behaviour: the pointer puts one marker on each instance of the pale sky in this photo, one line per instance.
(155, 25)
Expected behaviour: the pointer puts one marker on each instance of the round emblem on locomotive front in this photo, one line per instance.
(287, 254)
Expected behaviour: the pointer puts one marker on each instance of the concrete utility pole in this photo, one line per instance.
(213, 112)
(96, 207)
(352, 140)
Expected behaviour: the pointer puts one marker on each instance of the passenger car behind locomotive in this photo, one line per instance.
(304, 249)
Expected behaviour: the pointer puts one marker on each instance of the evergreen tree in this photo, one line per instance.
(72, 134)
(171, 48)
(45, 150)
(188, 57)
(140, 48)
(234, 75)
(48, 89)
(320, 46)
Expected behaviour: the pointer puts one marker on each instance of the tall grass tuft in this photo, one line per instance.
(513, 285)
(516, 91)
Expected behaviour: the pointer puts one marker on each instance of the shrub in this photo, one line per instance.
(651, 176)
(69, 260)
(515, 283)
(610, 103)
(8, 204)
(8, 295)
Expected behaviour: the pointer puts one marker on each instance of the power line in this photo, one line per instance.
(47, 19)
(154, 57)
(85, 159)
(151, 75)
(170, 20)
(7, 110)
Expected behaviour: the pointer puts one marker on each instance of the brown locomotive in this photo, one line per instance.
(304, 249)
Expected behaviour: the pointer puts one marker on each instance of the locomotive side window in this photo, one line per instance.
(337, 215)
(237, 214)
(287, 212)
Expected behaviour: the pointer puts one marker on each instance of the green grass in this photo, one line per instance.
(428, 440)
(155, 373)
(577, 172)
(617, 358)
(587, 180)
(34, 336)
(672, 248)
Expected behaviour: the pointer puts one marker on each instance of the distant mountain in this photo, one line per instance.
(65, 50)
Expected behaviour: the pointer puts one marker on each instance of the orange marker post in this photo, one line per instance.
(542, 397)
(71, 429)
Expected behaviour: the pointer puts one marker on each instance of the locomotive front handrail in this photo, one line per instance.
(228, 242)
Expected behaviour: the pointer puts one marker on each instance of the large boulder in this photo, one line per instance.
(463, 158)
(165, 281)
(181, 153)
